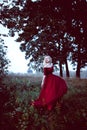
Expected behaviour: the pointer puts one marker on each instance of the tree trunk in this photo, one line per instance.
(67, 69)
(61, 72)
(78, 63)
(78, 69)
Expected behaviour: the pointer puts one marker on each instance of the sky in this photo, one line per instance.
(18, 62)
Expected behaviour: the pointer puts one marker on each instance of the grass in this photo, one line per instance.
(18, 114)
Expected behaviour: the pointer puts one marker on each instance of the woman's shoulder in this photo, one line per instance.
(48, 65)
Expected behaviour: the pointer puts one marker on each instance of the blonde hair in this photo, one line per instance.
(47, 61)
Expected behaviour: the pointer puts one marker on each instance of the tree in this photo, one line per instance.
(3, 60)
(45, 23)
(46, 27)
(42, 26)
(79, 31)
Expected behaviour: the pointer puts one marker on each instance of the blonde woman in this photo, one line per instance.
(53, 87)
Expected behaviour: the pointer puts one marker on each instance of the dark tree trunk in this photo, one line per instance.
(78, 63)
(61, 72)
(67, 69)
(78, 69)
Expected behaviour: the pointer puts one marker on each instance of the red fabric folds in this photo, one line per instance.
(54, 87)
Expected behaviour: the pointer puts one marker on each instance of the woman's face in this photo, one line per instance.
(47, 60)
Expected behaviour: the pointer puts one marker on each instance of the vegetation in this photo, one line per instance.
(17, 113)
(45, 27)
(4, 62)
(48, 26)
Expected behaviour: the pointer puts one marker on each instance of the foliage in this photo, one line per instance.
(5, 95)
(3, 59)
(23, 116)
(49, 26)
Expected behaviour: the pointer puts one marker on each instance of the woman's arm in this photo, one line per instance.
(42, 80)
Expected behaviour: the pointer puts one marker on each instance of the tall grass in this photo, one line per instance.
(23, 89)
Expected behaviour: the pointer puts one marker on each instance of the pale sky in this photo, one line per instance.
(18, 63)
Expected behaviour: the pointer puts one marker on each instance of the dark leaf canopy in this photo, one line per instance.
(51, 27)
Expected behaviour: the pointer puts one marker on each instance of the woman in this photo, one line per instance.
(53, 87)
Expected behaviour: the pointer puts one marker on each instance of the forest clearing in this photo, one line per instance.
(17, 113)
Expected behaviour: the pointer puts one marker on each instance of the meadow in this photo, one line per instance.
(16, 112)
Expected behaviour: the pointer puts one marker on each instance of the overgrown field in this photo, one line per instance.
(16, 113)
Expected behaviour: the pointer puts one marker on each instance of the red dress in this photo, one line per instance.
(52, 90)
